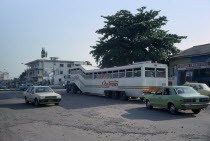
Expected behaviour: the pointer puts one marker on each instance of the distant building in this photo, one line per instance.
(192, 65)
(51, 71)
(4, 76)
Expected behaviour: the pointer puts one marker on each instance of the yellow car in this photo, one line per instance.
(202, 88)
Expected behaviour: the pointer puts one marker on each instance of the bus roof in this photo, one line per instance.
(89, 68)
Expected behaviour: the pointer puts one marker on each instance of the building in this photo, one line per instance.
(4, 76)
(51, 71)
(192, 65)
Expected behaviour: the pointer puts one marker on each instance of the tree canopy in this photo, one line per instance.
(128, 38)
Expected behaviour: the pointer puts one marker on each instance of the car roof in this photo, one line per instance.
(39, 86)
(194, 83)
(175, 86)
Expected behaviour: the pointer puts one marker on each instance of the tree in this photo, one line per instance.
(22, 76)
(128, 38)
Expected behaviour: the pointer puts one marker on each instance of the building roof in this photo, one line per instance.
(46, 60)
(194, 51)
(89, 67)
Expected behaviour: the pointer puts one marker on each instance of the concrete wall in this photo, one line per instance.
(174, 62)
(43, 70)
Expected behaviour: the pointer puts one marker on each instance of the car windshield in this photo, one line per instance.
(185, 90)
(43, 89)
(204, 87)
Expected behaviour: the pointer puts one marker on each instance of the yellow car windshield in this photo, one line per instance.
(185, 90)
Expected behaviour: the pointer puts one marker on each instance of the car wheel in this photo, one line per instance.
(67, 90)
(36, 103)
(172, 109)
(196, 111)
(56, 104)
(115, 95)
(106, 94)
(148, 105)
(26, 101)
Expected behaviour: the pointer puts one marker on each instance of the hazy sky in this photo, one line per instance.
(66, 28)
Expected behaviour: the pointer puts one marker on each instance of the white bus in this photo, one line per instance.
(119, 82)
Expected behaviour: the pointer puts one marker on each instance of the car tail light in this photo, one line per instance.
(188, 100)
(204, 99)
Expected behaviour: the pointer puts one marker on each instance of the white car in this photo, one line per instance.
(41, 95)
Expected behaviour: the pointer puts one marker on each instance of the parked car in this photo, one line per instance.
(176, 98)
(24, 87)
(41, 95)
(202, 88)
(2, 86)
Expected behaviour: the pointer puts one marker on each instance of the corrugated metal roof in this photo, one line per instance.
(194, 51)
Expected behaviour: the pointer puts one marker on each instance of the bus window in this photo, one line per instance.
(122, 73)
(99, 75)
(104, 75)
(149, 72)
(115, 74)
(95, 75)
(129, 73)
(160, 72)
(90, 76)
(109, 74)
(87, 76)
(137, 72)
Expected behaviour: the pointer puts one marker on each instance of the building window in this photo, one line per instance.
(60, 79)
(68, 65)
(61, 72)
(61, 65)
(205, 73)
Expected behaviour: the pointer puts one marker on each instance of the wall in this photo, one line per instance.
(192, 70)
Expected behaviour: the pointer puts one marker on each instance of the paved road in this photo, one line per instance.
(93, 118)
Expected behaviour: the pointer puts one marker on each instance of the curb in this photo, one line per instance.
(9, 90)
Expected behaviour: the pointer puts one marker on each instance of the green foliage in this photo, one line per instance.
(128, 38)
(22, 75)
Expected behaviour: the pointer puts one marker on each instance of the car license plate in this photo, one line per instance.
(197, 100)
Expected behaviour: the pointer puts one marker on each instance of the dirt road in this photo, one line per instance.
(92, 118)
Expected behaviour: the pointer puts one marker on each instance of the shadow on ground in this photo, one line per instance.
(143, 113)
(80, 101)
(21, 106)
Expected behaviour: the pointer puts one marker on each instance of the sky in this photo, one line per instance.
(66, 28)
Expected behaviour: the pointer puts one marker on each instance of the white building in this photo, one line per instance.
(4, 76)
(50, 71)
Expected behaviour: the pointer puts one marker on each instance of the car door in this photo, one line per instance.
(156, 98)
(167, 93)
(31, 93)
(27, 93)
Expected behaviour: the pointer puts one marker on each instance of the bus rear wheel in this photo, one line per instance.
(123, 96)
(115, 95)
